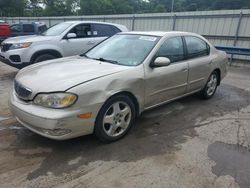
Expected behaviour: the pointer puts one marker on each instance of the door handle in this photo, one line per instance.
(184, 70)
(91, 42)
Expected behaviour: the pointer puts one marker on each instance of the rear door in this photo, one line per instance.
(199, 61)
(103, 31)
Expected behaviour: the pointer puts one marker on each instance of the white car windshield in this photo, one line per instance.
(124, 49)
(56, 29)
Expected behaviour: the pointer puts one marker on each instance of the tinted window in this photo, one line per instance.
(173, 49)
(42, 28)
(57, 29)
(82, 31)
(15, 28)
(196, 47)
(28, 28)
(101, 30)
(116, 30)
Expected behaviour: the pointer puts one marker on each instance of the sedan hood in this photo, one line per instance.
(29, 38)
(64, 73)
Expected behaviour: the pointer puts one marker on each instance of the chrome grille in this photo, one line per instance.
(21, 91)
(5, 47)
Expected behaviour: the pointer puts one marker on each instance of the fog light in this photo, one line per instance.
(56, 132)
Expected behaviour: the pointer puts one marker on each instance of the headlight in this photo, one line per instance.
(20, 45)
(55, 100)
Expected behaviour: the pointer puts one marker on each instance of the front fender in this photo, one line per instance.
(39, 48)
(98, 91)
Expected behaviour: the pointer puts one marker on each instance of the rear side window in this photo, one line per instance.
(28, 28)
(102, 30)
(173, 49)
(82, 31)
(15, 28)
(196, 47)
(116, 30)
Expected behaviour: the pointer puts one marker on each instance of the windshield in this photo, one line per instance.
(56, 29)
(123, 49)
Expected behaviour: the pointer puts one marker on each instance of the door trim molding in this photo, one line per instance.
(167, 89)
(173, 99)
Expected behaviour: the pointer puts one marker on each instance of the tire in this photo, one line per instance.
(120, 115)
(44, 57)
(211, 86)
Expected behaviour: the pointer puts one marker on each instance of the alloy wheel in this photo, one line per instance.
(117, 119)
(212, 84)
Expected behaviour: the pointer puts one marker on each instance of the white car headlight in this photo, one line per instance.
(20, 45)
(55, 100)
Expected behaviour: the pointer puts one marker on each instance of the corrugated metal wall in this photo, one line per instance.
(222, 28)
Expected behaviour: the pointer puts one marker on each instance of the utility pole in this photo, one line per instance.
(172, 7)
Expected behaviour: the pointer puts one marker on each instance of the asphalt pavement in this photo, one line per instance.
(189, 143)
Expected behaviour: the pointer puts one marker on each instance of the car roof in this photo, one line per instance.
(3, 22)
(159, 33)
(119, 26)
(33, 23)
(95, 22)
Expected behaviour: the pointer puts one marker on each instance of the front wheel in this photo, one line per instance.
(115, 118)
(44, 57)
(211, 86)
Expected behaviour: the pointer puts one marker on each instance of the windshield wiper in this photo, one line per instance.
(84, 55)
(106, 60)
(101, 59)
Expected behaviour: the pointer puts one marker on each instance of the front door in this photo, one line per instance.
(83, 42)
(169, 82)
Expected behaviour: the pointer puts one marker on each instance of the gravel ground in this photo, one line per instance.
(188, 143)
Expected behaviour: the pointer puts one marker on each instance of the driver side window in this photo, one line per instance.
(173, 49)
(82, 31)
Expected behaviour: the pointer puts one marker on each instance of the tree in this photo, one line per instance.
(33, 8)
(97, 7)
(229, 4)
(12, 7)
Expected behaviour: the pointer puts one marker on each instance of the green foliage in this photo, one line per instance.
(12, 7)
(97, 7)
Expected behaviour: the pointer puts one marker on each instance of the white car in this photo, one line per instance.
(61, 40)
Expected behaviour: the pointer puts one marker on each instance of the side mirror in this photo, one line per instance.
(161, 62)
(71, 35)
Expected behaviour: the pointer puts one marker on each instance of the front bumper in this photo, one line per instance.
(57, 124)
(8, 62)
(5, 58)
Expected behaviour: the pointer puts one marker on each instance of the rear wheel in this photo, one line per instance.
(44, 57)
(211, 86)
(115, 118)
